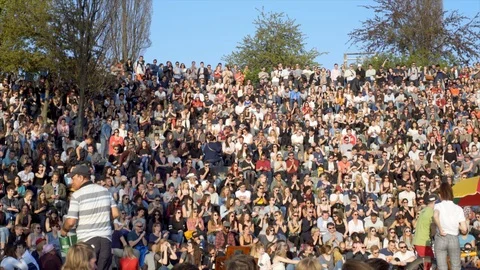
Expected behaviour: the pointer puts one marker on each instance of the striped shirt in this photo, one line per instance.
(91, 205)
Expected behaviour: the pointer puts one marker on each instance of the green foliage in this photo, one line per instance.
(419, 29)
(277, 39)
(391, 60)
(23, 28)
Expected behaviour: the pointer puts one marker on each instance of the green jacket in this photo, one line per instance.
(50, 190)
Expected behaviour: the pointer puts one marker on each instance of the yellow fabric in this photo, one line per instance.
(188, 234)
(466, 187)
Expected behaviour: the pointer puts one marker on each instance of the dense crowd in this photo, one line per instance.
(308, 162)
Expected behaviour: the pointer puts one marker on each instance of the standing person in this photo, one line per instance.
(421, 239)
(449, 219)
(92, 208)
(105, 134)
(139, 68)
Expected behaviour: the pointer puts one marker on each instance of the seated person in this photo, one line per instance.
(403, 256)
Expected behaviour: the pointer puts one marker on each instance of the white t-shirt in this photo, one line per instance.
(25, 177)
(450, 216)
(409, 195)
(380, 256)
(404, 256)
(377, 225)
(247, 194)
(334, 197)
(264, 262)
(355, 228)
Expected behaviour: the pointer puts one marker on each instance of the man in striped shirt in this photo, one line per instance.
(92, 209)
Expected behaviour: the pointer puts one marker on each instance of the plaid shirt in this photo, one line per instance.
(222, 240)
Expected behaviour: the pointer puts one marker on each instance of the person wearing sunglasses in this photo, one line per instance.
(358, 252)
(375, 253)
(403, 256)
(137, 239)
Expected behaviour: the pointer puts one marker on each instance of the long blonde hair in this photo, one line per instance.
(309, 264)
(128, 252)
(78, 257)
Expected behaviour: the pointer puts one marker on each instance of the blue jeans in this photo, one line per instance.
(143, 251)
(292, 266)
(373, 196)
(197, 164)
(103, 147)
(211, 238)
(4, 233)
(10, 215)
(447, 246)
(144, 164)
(177, 237)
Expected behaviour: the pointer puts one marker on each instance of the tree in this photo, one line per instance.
(130, 29)
(277, 39)
(23, 26)
(81, 27)
(420, 29)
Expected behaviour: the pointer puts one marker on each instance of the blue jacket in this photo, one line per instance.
(106, 131)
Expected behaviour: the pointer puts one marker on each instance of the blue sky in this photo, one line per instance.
(202, 30)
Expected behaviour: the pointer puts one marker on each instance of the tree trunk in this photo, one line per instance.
(124, 31)
(46, 102)
(83, 77)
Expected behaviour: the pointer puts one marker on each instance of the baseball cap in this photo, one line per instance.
(39, 240)
(80, 170)
(47, 248)
(431, 198)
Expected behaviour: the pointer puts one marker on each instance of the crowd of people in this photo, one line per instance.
(308, 166)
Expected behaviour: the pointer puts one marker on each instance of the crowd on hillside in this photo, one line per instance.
(334, 164)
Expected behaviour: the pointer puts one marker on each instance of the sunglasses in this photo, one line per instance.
(402, 247)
